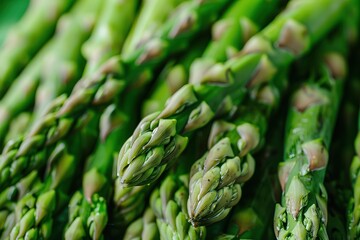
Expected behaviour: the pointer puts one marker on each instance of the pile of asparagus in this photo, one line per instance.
(180, 119)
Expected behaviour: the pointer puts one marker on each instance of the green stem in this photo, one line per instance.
(310, 122)
(151, 16)
(109, 36)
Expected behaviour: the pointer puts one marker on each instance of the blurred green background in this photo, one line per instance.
(10, 12)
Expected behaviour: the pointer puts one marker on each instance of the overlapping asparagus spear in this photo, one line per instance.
(354, 216)
(161, 137)
(9, 197)
(115, 125)
(227, 38)
(108, 47)
(88, 209)
(34, 212)
(58, 65)
(28, 36)
(129, 200)
(311, 117)
(104, 85)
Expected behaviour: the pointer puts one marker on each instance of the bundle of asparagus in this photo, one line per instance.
(207, 77)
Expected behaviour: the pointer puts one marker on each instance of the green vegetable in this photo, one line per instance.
(310, 121)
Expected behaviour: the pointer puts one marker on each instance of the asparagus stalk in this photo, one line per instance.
(144, 228)
(28, 36)
(172, 78)
(161, 137)
(311, 117)
(109, 36)
(100, 88)
(216, 179)
(19, 126)
(60, 61)
(227, 38)
(64, 64)
(354, 215)
(151, 16)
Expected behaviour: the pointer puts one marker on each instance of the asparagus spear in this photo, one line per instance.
(151, 16)
(216, 179)
(354, 215)
(60, 61)
(109, 36)
(19, 125)
(169, 205)
(128, 202)
(172, 78)
(161, 137)
(351, 118)
(336, 182)
(63, 65)
(100, 88)
(143, 228)
(28, 36)
(311, 117)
